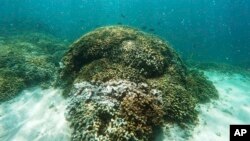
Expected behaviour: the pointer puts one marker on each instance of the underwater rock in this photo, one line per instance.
(118, 73)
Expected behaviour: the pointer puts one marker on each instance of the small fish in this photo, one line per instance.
(120, 23)
(123, 16)
(151, 29)
(144, 27)
(97, 26)
(183, 21)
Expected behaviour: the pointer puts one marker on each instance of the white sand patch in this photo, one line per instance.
(233, 107)
(35, 115)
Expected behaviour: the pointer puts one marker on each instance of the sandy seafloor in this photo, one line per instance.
(38, 115)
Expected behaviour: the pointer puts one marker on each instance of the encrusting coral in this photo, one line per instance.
(124, 84)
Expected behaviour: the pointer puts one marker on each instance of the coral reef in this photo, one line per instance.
(202, 89)
(123, 45)
(179, 105)
(28, 59)
(129, 76)
(104, 70)
(114, 110)
(10, 85)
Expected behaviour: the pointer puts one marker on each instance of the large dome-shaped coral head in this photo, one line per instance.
(124, 84)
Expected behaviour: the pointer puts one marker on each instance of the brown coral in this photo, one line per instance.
(143, 113)
(122, 53)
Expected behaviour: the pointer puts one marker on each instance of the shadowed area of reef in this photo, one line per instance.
(28, 59)
(125, 84)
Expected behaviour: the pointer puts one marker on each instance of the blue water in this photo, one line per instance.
(203, 30)
(206, 31)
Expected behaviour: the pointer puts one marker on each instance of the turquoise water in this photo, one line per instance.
(75, 69)
(210, 30)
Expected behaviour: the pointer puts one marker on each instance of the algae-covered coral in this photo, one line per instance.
(28, 59)
(124, 84)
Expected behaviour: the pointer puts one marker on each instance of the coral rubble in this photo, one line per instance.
(124, 84)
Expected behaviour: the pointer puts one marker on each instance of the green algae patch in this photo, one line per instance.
(135, 79)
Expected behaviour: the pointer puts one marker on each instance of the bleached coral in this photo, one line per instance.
(103, 111)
